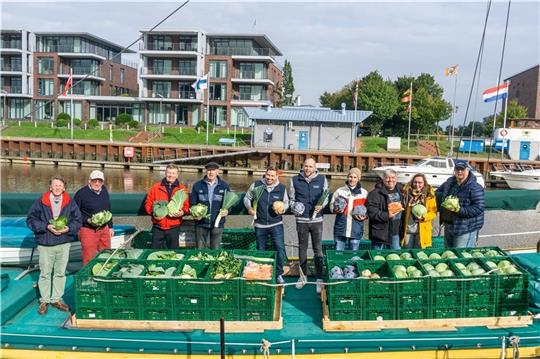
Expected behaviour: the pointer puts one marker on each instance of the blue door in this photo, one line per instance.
(303, 140)
(524, 150)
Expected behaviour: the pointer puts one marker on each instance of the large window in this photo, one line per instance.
(45, 87)
(218, 69)
(218, 116)
(188, 67)
(18, 108)
(239, 117)
(87, 88)
(45, 66)
(162, 43)
(218, 92)
(77, 44)
(252, 71)
(161, 67)
(162, 88)
(84, 67)
(16, 85)
(252, 93)
(44, 110)
(235, 47)
(65, 106)
(186, 91)
(122, 76)
(158, 113)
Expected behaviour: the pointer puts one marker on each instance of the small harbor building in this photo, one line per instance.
(305, 128)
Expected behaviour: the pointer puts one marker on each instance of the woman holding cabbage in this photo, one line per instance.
(420, 209)
(167, 202)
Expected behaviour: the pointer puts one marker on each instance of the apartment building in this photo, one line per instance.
(525, 89)
(242, 72)
(103, 86)
(16, 64)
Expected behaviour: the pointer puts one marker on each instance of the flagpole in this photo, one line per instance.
(410, 109)
(453, 116)
(505, 105)
(355, 112)
(71, 99)
(207, 107)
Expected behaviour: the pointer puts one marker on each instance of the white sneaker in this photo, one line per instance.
(320, 286)
(301, 283)
(280, 279)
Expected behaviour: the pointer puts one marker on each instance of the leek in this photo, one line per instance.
(230, 199)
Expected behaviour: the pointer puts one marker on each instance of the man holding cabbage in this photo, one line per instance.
(97, 226)
(206, 200)
(461, 204)
(167, 202)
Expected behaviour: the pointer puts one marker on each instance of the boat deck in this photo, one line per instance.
(26, 334)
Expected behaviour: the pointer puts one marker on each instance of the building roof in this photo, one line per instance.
(519, 73)
(313, 114)
(87, 36)
(261, 39)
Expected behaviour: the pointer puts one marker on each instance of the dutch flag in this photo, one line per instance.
(201, 83)
(495, 93)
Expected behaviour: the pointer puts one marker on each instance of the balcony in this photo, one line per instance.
(11, 68)
(11, 47)
(251, 77)
(81, 72)
(156, 74)
(169, 50)
(173, 96)
(263, 54)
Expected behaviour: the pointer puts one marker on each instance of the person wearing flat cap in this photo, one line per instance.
(91, 199)
(461, 222)
(210, 191)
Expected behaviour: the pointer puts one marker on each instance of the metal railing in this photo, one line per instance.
(11, 44)
(158, 71)
(12, 67)
(80, 70)
(249, 97)
(169, 47)
(250, 75)
(241, 51)
(187, 95)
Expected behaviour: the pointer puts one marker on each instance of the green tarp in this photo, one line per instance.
(131, 204)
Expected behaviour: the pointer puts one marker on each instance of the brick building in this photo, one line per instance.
(525, 89)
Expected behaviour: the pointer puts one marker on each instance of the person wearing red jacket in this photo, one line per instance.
(167, 228)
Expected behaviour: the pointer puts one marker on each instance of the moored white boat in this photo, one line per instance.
(527, 179)
(436, 169)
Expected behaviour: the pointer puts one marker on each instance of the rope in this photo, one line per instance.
(265, 348)
(514, 340)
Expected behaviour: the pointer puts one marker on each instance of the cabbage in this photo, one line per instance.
(466, 254)
(278, 207)
(188, 272)
(400, 268)
(419, 211)
(447, 273)
(359, 210)
(434, 256)
(199, 211)
(101, 270)
(340, 203)
(429, 267)
(400, 274)
(177, 202)
(160, 210)
(448, 255)
(411, 269)
(461, 266)
(451, 203)
(491, 264)
(101, 218)
(59, 222)
(405, 256)
(166, 255)
(393, 257)
(491, 253)
(441, 267)
(422, 255)
(378, 258)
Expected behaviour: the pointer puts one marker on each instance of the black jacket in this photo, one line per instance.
(377, 207)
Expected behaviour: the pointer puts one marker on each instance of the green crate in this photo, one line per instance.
(261, 302)
(90, 312)
(511, 282)
(476, 283)
(351, 286)
(430, 251)
(91, 298)
(124, 285)
(189, 314)
(126, 299)
(347, 315)
(192, 253)
(188, 286)
(232, 314)
(157, 300)
(411, 284)
(189, 301)
(509, 298)
(446, 312)
(158, 284)
(479, 311)
(444, 284)
(85, 281)
(222, 299)
(126, 313)
(181, 252)
(387, 313)
(500, 253)
(381, 287)
(346, 256)
(143, 240)
(386, 252)
(157, 314)
(471, 299)
(257, 315)
(412, 313)
(513, 310)
(344, 302)
(437, 242)
(238, 238)
(119, 254)
(223, 285)
(257, 287)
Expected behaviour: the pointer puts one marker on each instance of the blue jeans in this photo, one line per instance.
(278, 236)
(343, 243)
(466, 240)
(394, 239)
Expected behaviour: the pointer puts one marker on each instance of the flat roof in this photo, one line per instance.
(309, 114)
(261, 39)
(519, 73)
(88, 36)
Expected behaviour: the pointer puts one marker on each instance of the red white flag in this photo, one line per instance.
(69, 83)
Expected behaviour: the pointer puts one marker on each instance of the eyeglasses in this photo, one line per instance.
(418, 182)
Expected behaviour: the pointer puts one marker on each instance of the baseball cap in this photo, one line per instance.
(211, 166)
(97, 175)
(461, 164)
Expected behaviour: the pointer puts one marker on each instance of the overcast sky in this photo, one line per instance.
(328, 43)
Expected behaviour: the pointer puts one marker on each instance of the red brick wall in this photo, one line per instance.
(525, 88)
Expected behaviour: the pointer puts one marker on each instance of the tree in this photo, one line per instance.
(515, 110)
(287, 86)
(334, 100)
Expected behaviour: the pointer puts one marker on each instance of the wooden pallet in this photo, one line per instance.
(185, 325)
(418, 325)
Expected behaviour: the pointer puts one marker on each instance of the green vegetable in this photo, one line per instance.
(100, 270)
(451, 203)
(101, 218)
(320, 202)
(188, 272)
(177, 202)
(419, 211)
(227, 268)
(160, 210)
(199, 211)
(230, 199)
(59, 222)
(257, 192)
(156, 271)
(121, 253)
(166, 255)
(129, 271)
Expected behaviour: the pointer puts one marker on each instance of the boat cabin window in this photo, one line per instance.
(435, 164)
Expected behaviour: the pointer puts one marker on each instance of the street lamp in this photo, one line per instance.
(4, 108)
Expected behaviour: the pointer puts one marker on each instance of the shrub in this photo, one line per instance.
(202, 126)
(77, 122)
(123, 119)
(63, 116)
(133, 124)
(62, 122)
(92, 123)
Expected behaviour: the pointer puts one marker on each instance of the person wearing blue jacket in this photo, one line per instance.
(210, 191)
(462, 224)
(53, 243)
(269, 215)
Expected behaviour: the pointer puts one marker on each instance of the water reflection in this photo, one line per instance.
(28, 178)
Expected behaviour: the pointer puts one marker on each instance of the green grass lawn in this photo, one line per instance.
(190, 136)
